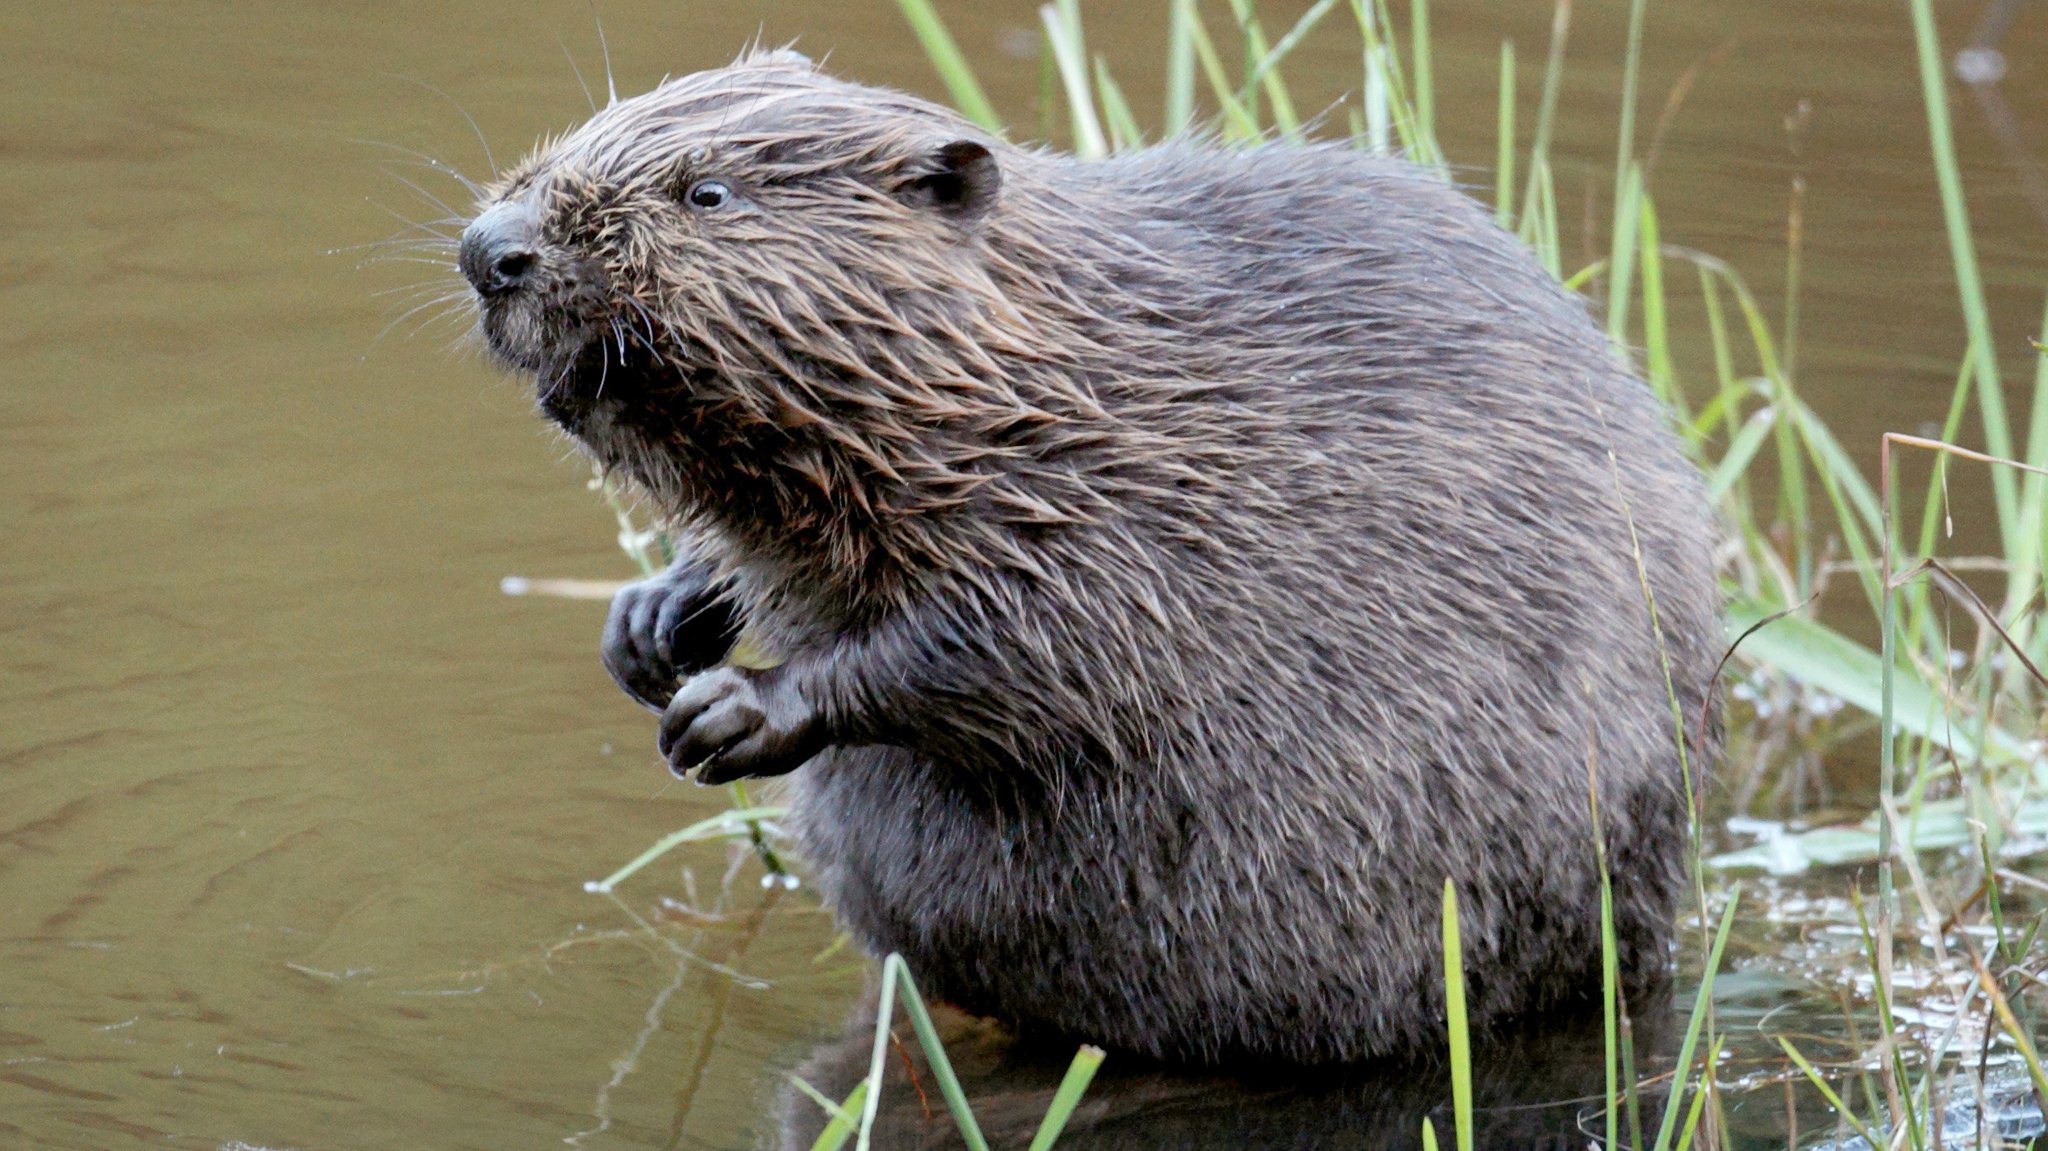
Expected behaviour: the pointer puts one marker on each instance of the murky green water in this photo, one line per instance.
(296, 808)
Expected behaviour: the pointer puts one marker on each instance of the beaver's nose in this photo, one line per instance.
(498, 249)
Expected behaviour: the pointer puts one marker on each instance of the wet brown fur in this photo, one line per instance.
(1196, 556)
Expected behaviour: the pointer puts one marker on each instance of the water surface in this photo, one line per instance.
(296, 807)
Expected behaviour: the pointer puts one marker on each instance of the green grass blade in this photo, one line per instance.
(1259, 77)
(1048, 87)
(1795, 256)
(1631, 1094)
(1539, 220)
(1378, 98)
(1898, 1088)
(1819, 656)
(1930, 511)
(1238, 121)
(1420, 146)
(1546, 109)
(1701, 1003)
(2019, 1034)
(837, 1110)
(885, 1010)
(1722, 410)
(1062, 22)
(1504, 143)
(1734, 462)
(952, 67)
(1425, 76)
(1828, 1093)
(1622, 260)
(725, 824)
(1924, 627)
(1610, 989)
(845, 1116)
(1124, 133)
(1969, 282)
(633, 540)
(1610, 952)
(1624, 152)
(1831, 461)
(1382, 53)
(935, 1052)
(1455, 1021)
(1855, 506)
(1657, 362)
(1281, 47)
(1791, 437)
(2024, 578)
(1180, 68)
(1717, 334)
(1699, 1101)
(1079, 1074)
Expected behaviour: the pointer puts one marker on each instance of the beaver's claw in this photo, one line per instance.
(734, 723)
(664, 629)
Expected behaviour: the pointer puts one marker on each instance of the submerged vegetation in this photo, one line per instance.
(1953, 692)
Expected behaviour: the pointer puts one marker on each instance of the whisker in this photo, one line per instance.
(377, 261)
(412, 225)
(577, 72)
(561, 377)
(428, 161)
(489, 160)
(464, 341)
(404, 243)
(604, 367)
(413, 291)
(429, 197)
(427, 240)
(611, 87)
(439, 265)
(438, 256)
(460, 316)
(415, 310)
(646, 318)
(404, 252)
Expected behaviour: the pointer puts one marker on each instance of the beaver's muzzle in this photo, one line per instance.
(500, 249)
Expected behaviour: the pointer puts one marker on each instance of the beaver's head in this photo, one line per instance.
(761, 264)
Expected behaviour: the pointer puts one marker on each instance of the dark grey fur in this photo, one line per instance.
(1179, 565)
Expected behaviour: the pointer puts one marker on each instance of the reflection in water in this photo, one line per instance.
(715, 937)
(1981, 64)
(295, 808)
(2011, 1117)
(1540, 1087)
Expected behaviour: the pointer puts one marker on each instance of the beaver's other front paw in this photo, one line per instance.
(664, 629)
(738, 724)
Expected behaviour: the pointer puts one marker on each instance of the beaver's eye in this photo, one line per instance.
(708, 194)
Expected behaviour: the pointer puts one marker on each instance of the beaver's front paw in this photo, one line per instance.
(737, 723)
(663, 629)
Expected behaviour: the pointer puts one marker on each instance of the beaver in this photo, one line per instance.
(1159, 574)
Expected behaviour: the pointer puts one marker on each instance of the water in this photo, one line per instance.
(296, 808)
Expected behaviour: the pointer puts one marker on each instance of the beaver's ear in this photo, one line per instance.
(959, 179)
